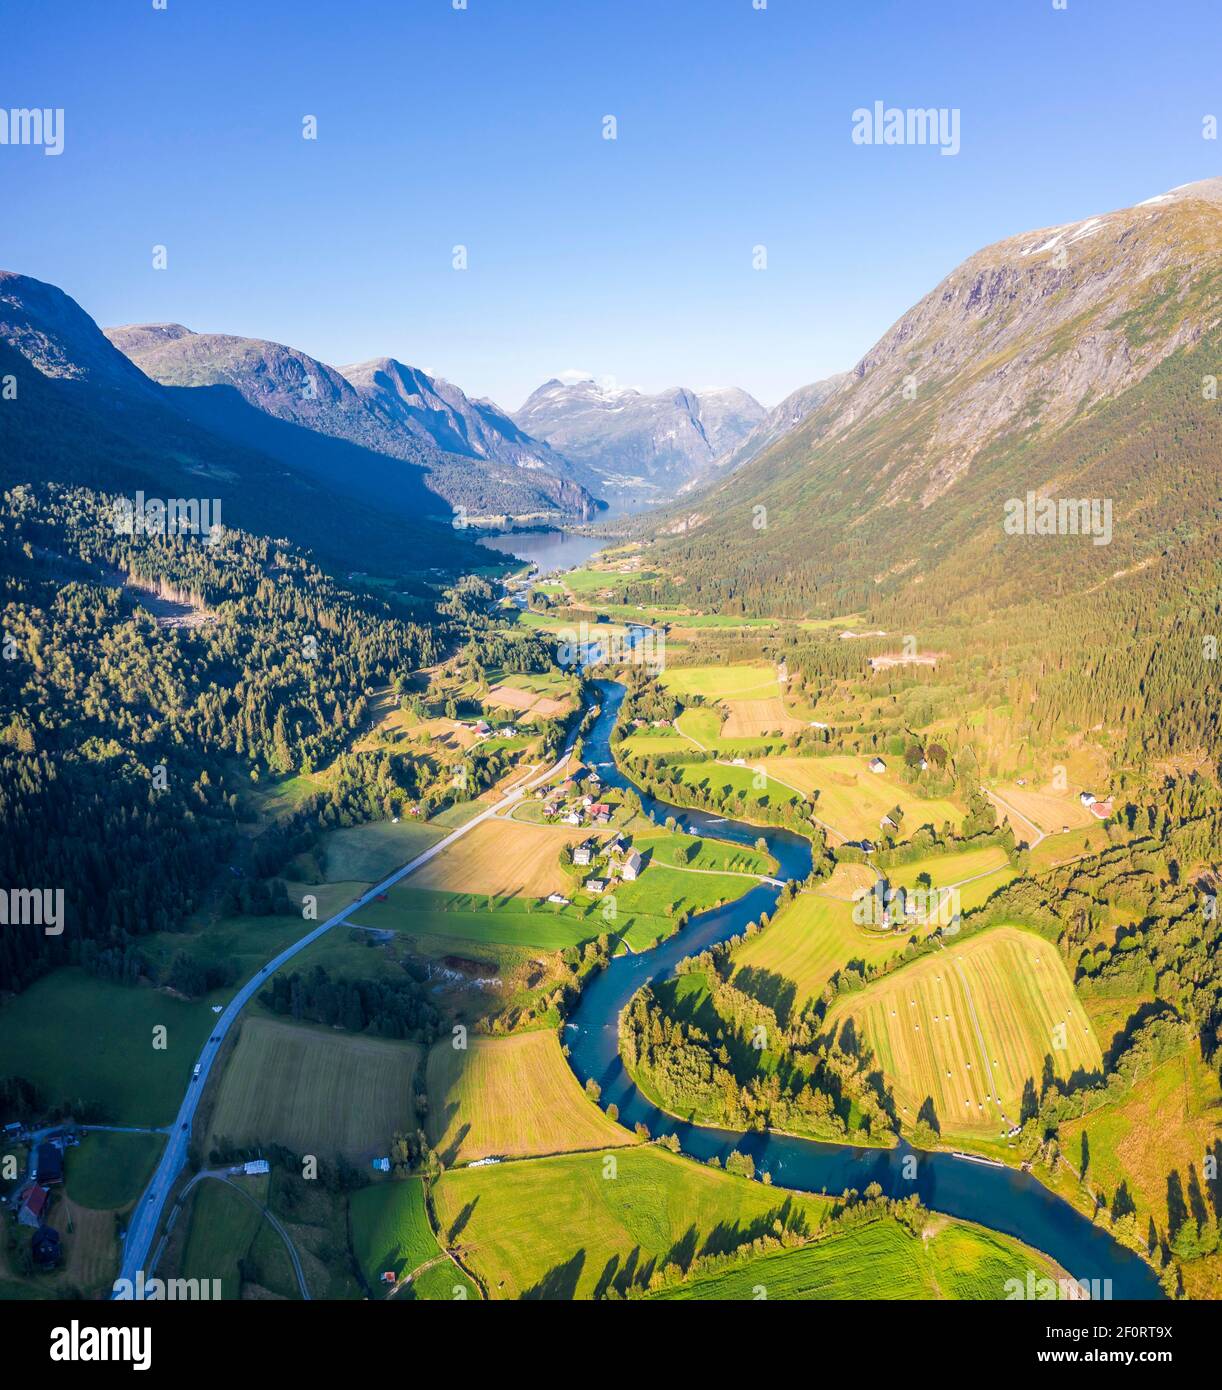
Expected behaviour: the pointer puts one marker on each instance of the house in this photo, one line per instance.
(596, 885)
(482, 727)
(887, 824)
(33, 1205)
(551, 808)
(573, 818)
(923, 764)
(49, 1165)
(44, 1247)
(1086, 798)
(601, 812)
(558, 898)
(1102, 809)
(582, 854)
(877, 765)
(632, 866)
(388, 1276)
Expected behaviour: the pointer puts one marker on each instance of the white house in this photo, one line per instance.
(582, 854)
(877, 765)
(595, 885)
(632, 866)
(1086, 798)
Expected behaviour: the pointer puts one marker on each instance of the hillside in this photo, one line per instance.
(1072, 362)
(82, 413)
(459, 456)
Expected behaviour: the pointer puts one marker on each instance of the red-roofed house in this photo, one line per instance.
(33, 1205)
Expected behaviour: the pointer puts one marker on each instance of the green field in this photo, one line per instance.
(676, 849)
(102, 1048)
(880, 1261)
(391, 1231)
(967, 1028)
(368, 853)
(222, 1226)
(645, 911)
(109, 1171)
(510, 1097)
(560, 1228)
(314, 1090)
(808, 941)
(757, 680)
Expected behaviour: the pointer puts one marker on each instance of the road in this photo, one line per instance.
(147, 1213)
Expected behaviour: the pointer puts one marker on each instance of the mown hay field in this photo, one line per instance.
(507, 858)
(969, 1026)
(315, 1091)
(510, 1097)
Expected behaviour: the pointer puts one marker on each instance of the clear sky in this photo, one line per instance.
(483, 127)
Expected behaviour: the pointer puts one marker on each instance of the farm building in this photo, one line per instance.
(256, 1166)
(558, 898)
(49, 1165)
(596, 885)
(1101, 808)
(877, 765)
(44, 1247)
(632, 866)
(33, 1205)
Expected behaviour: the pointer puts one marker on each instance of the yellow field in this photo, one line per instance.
(511, 1097)
(978, 873)
(853, 799)
(527, 702)
(1045, 808)
(757, 718)
(314, 1091)
(503, 857)
(970, 1025)
(807, 942)
(847, 881)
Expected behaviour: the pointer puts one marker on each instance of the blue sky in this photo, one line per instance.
(629, 258)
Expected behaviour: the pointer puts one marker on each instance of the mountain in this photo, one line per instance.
(779, 421)
(82, 412)
(1072, 362)
(641, 448)
(368, 412)
(442, 414)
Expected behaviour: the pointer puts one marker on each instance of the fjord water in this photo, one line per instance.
(1002, 1198)
(552, 551)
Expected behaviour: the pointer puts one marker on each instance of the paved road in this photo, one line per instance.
(147, 1214)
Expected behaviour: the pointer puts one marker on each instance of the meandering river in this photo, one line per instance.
(1005, 1199)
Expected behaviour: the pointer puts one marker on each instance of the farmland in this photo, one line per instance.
(367, 853)
(391, 1231)
(748, 719)
(510, 1097)
(969, 1027)
(222, 1226)
(566, 1227)
(757, 681)
(805, 945)
(1046, 808)
(853, 800)
(880, 1261)
(108, 1171)
(978, 873)
(507, 858)
(120, 1070)
(314, 1091)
